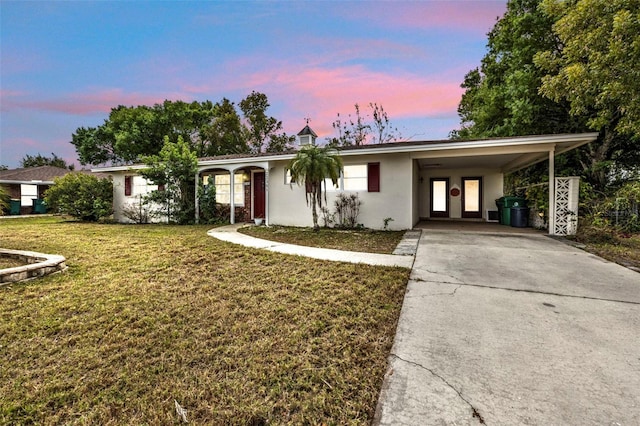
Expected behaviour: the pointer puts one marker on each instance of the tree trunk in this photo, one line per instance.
(314, 212)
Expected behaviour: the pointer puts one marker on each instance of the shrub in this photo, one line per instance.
(81, 195)
(347, 210)
(4, 200)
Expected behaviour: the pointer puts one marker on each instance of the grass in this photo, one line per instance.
(146, 315)
(623, 249)
(8, 262)
(364, 240)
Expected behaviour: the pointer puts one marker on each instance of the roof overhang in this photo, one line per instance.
(505, 154)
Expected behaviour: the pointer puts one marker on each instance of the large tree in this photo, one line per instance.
(309, 168)
(501, 97)
(41, 160)
(597, 71)
(264, 133)
(133, 132)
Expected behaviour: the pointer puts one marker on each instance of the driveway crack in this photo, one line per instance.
(476, 413)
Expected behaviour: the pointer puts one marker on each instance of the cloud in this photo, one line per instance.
(460, 16)
(86, 103)
(321, 93)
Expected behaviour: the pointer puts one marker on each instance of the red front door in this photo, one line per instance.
(258, 195)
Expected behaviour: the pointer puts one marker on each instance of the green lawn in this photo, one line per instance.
(148, 314)
(363, 240)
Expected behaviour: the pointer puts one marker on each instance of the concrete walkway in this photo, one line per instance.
(513, 329)
(230, 234)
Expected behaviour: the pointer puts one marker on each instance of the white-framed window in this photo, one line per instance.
(287, 176)
(28, 193)
(223, 189)
(355, 177)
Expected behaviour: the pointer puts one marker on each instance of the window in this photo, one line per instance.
(223, 189)
(287, 176)
(355, 178)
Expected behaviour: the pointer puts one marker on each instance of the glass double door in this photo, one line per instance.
(469, 195)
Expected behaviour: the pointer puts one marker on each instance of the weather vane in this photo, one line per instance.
(307, 119)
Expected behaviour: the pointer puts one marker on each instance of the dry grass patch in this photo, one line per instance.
(362, 240)
(148, 314)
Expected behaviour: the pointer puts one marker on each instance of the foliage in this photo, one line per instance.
(386, 222)
(208, 209)
(80, 195)
(262, 130)
(155, 313)
(310, 167)
(174, 168)
(501, 97)
(347, 209)
(598, 69)
(356, 130)
(132, 133)
(41, 160)
(597, 72)
(328, 218)
(4, 200)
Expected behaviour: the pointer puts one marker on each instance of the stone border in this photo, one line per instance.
(38, 265)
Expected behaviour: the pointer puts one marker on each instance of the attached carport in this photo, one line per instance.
(447, 166)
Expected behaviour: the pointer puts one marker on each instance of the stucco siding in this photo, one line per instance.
(287, 205)
(492, 188)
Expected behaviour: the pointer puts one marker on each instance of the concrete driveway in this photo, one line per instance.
(514, 330)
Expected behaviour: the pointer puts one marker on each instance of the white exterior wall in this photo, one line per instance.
(287, 205)
(492, 188)
(139, 187)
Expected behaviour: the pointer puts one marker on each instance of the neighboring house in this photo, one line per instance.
(26, 187)
(405, 181)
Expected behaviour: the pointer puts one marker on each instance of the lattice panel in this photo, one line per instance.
(566, 206)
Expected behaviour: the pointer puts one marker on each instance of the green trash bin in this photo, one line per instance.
(39, 206)
(14, 207)
(509, 202)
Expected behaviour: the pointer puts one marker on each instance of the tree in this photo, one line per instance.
(131, 133)
(384, 131)
(597, 71)
(81, 195)
(41, 160)
(225, 134)
(310, 167)
(262, 130)
(356, 130)
(174, 168)
(501, 97)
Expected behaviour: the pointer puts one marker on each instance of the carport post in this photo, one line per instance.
(552, 192)
(197, 199)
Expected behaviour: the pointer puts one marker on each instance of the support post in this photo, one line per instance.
(552, 192)
(232, 204)
(266, 195)
(197, 197)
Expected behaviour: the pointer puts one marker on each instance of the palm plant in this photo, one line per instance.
(311, 166)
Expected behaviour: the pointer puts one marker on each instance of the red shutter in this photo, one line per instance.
(373, 177)
(127, 185)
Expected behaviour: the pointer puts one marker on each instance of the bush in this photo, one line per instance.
(81, 195)
(347, 210)
(4, 200)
